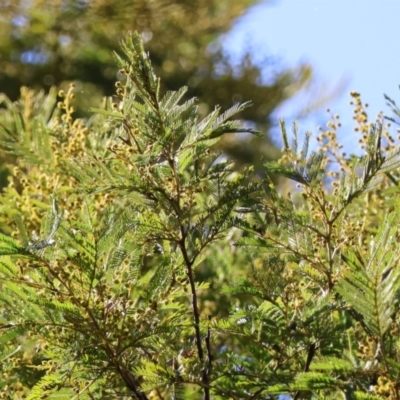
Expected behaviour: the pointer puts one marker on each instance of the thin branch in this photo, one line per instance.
(208, 368)
(311, 353)
(195, 308)
(196, 315)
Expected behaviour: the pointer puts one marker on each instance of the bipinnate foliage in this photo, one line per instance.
(158, 271)
(113, 299)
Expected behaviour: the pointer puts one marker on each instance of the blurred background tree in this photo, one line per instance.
(54, 42)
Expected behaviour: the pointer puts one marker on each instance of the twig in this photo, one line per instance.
(310, 356)
(208, 368)
(196, 314)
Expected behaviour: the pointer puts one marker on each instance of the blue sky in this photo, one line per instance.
(352, 45)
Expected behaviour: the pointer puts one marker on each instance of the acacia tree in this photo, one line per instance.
(158, 271)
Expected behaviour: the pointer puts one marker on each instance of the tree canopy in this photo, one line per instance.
(137, 262)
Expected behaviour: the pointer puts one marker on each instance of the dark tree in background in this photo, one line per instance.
(53, 42)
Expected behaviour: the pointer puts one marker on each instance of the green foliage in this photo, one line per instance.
(137, 262)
